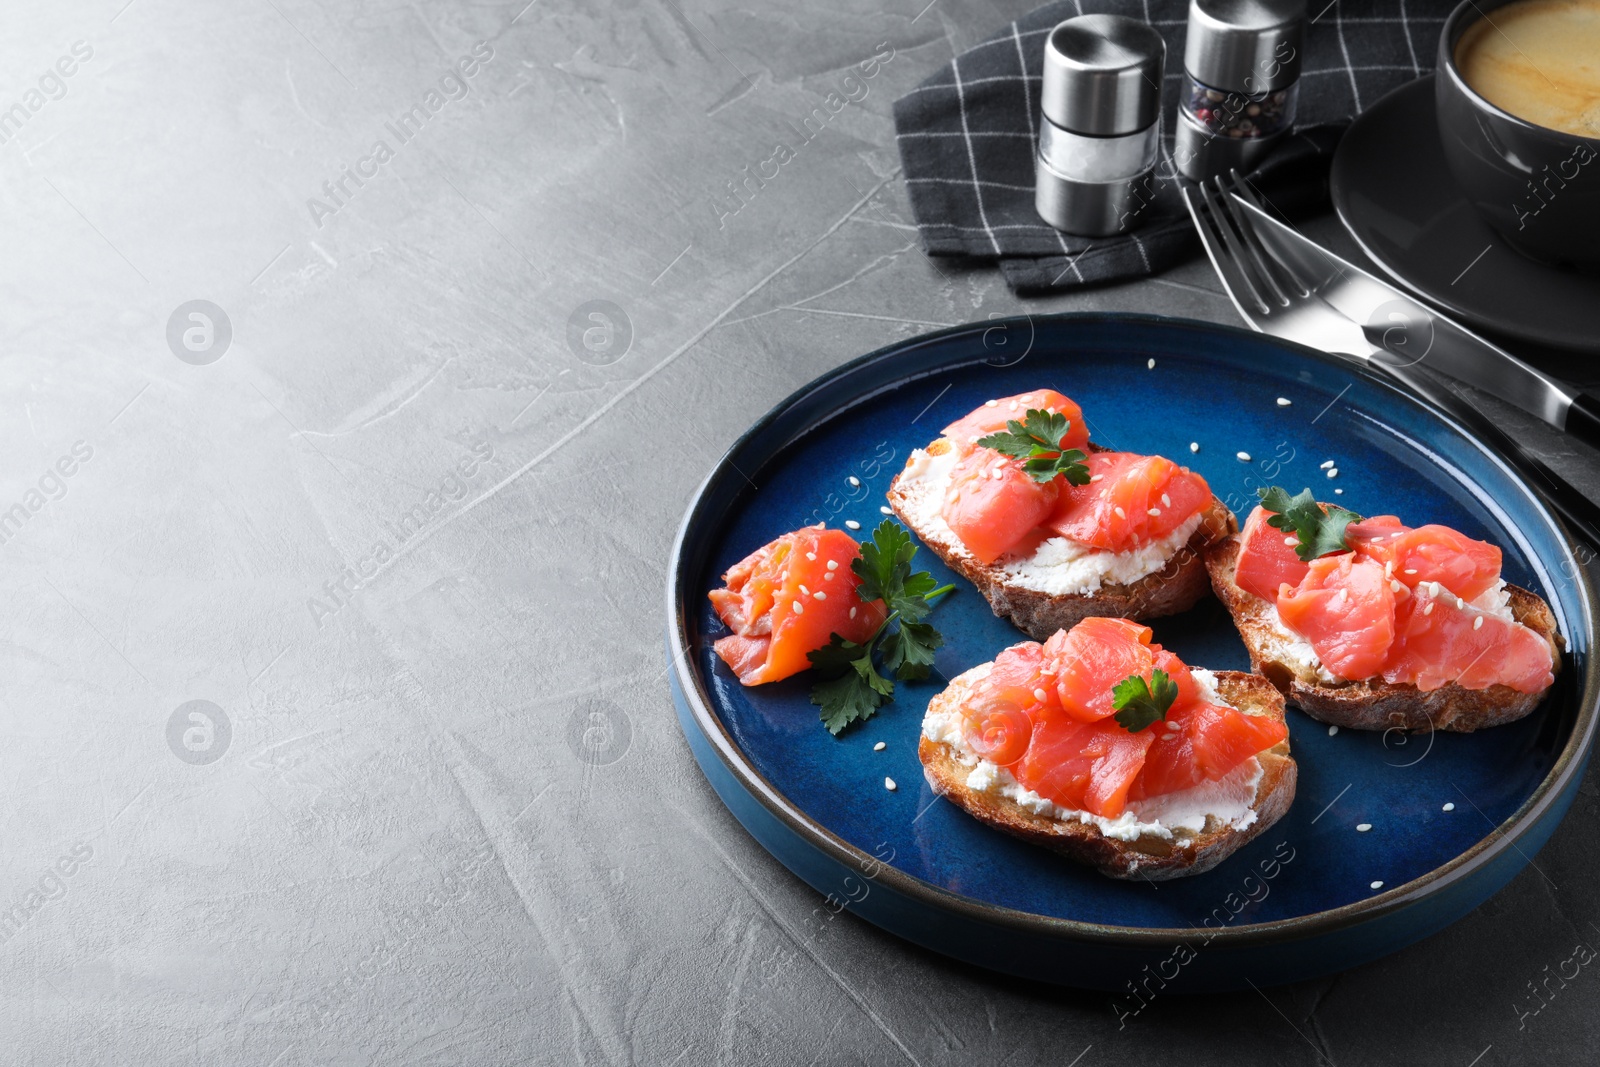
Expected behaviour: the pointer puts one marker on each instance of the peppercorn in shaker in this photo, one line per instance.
(1101, 124)
(1241, 65)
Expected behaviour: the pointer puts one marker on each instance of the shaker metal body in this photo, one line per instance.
(1241, 79)
(1100, 127)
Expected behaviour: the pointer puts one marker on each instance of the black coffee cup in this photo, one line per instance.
(1539, 188)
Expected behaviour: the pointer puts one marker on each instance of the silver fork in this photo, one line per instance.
(1279, 295)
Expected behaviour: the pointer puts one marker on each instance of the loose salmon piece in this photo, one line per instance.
(1430, 553)
(1440, 639)
(993, 505)
(1087, 766)
(783, 601)
(1130, 500)
(1345, 608)
(1091, 658)
(993, 416)
(1210, 741)
(1178, 671)
(1267, 558)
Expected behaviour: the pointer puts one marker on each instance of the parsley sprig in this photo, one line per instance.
(1139, 703)
(1038, 443)
(1320, 529)
(852, 687)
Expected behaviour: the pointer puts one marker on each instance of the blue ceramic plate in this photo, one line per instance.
(1453, 817)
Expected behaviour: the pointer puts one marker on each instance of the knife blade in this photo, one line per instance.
(1413, 333)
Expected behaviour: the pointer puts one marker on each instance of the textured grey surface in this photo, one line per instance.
(452, 819)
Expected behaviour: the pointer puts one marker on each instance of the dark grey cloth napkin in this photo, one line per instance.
(967, 136)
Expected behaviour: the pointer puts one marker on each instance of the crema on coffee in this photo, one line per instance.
(1538, 60)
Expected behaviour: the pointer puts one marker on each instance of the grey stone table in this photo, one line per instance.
(336, 720)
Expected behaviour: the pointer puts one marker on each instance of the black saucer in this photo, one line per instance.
(1395, 195)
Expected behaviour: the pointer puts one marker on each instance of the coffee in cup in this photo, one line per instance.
(1518, 97)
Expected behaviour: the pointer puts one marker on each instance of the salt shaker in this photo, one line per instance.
(1100, 124)
(1241, 74)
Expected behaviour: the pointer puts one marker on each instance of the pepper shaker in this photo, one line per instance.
(1241, 74)
(1100, 125)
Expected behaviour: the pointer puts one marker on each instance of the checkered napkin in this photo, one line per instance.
(967, 137)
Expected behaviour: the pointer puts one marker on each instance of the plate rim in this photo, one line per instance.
(1501, 838)
(1339, 193)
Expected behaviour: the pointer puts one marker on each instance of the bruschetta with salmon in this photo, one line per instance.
(1370, 624)
(1109, 749)
(1053, 529)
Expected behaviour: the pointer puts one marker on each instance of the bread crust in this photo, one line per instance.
(1176, 587)
(1147, 857)
(1374, 704)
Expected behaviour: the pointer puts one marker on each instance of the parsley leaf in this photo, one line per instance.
(1319, 529)
(1140, 704)
(908, 651)
(851, 688)
(1038, 443)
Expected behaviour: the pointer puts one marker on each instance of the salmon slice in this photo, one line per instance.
(1439, 639)
(1130, 501)
(1345, 607)
(1267, 558)
(993, 504)
(1018, 675)
(1430, 553)
(1091, 658)
(786, 599)
(1209, 741)
(994, 414)
(1087, 766)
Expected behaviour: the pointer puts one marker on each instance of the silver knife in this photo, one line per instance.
(1399, 324)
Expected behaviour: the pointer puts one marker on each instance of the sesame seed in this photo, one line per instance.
(1166, 501)
(1194, 446)
(1363, 827)
(1388, 569)
(852, 613)
(1283, 401)
(819, 594)
(1434, 587)
(1332, 730)
(1477, 624)
(1338, 492)
(1244, 457)
(1150, 363)
(1409, 570)
(853, 524)
(885, 509)
(1427, 609)
(879, 747)
(812, 556)
(991, 403)
(1333, 472)
(1039, 694)
(1291, 540)
(1461, 605)
(828, 577)
(1327, 463)
(1154, 512)
(1172, 724)
(1025, 397)
(833, 564)
(1096, 477)
(1013, 405)
(1395, 585)
(997, 474)
(1449, 805)
(799, 608)
(854, 480)
(888, 783)
(804, 591)
(1377, 885)
(1120, 513)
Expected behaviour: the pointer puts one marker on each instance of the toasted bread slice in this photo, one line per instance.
(1176, 586)
(1148, 856)
(1372, 703)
